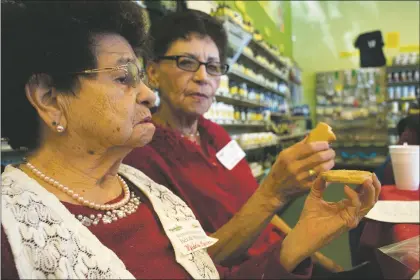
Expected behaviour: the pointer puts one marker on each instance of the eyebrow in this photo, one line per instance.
(125, 60)
(210, 58)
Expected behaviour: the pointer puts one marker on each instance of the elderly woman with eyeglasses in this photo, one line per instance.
(195, 157)
(73, 94)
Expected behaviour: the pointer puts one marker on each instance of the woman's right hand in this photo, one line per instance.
(291, 175)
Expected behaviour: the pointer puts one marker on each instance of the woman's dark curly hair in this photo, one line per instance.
(179, 25)
(55, 38)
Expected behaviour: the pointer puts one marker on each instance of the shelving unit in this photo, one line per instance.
(266, 69)
(351, 102)
(255, 147)
(269, 73)
(237, 101)
(238, 75)
(241, 123)
(403, 89)
(10, 156)
(267, 51)
(293, 136)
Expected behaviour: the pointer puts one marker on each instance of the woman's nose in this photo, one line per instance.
(201, 74)
(145, 96)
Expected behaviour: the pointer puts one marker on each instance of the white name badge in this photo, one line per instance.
(189, 236)
(230, 155)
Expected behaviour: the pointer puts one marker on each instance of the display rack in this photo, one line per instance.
(254, 67)
(352, 103)
(10, 156)
(403, 89)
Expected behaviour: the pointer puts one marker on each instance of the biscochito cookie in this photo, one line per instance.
(346, 176)
(322, 132)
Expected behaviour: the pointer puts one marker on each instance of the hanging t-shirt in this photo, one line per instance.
(370, 45)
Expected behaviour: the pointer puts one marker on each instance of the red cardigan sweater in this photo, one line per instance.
(214, 193)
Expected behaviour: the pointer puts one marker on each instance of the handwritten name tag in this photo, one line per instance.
(189, 236)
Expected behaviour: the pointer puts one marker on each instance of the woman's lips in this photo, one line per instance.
(146, 120)
(198, 95)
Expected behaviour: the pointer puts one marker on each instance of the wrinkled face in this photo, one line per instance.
(108, 112)
(186, 92)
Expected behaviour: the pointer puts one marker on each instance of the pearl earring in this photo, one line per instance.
(60, 128)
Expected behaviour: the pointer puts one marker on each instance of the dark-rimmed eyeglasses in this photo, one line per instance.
(191, 64)
(133, 75)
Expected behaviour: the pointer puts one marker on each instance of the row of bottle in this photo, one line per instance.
(407, 59)
(248, 140)
(220, 111)
(404, 76)
(401, 108)
(272, 101)
(302, 110)
(258, 77)
(405, 92)
(336, 81)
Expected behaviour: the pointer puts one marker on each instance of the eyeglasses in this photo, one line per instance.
(132, 73)
(191, 64)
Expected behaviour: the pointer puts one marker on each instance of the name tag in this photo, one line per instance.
(230, 155)
(189, 236)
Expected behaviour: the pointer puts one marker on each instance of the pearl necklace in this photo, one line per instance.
(127, 206)
(111, 216)
(78, 197)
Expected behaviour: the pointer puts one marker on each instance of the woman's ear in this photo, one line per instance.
(153, 74)
(45, 100)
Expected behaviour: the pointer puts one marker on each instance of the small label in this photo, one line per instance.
(189, 236)
(230, 155)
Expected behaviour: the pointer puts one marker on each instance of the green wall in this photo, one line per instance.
(261, 21)
(323, 29)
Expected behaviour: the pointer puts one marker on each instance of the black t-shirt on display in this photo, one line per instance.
(370, 45)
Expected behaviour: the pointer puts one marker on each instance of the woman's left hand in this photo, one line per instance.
(322, 221)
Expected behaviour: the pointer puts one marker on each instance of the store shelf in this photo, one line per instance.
(296, 135)
(338, 105)
(250, 148)
(262, 174)
(401, 100)
(360, 145)
(238, 38)
(406, 83)
(342, 164)
(241, 123)
(299, 118)
(288, 117)
(268, 51)
(237, 74)
(237, 101)
(398, 68)
(267, 69)
(5, 148)
(278, 115)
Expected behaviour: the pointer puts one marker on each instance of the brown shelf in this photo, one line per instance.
(239, 101)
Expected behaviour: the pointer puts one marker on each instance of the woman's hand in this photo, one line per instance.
(295, 170)
(321, 221)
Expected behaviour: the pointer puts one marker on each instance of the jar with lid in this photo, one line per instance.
(234, 88)
(397, 92)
